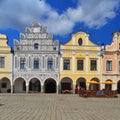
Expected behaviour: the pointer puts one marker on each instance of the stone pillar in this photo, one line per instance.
(57, 89)
(87, 86)
(114, 86)
(86, 68)
(27, 88)
(12, 89)
(74, 88)
(42, 89)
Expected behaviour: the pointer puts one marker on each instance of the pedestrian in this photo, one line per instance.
(79, 89)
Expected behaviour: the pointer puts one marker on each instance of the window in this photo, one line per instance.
(36, 64)
(22, 63)
(119, 66)
(109, 65)
(36, 46)
(79, 64)
(80, 41)
(2, 62)
(93, 65)
(50, 64)
(66, 64)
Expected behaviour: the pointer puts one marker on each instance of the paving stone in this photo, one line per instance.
(57, 107)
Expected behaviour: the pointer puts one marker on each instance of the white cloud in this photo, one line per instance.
(93, 13)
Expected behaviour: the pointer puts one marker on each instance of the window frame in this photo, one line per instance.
(93, 66)
(119, 65)
(50, 64)
(79, 65)
(66, 64)
(109, 68)
(36, 64)
(22, 63)
(2, 62)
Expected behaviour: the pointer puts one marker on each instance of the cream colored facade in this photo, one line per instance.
(84, 63)
(5, 65)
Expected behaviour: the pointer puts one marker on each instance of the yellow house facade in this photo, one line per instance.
(5, 65)
(80, 63)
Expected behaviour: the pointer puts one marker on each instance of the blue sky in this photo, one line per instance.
(99, 18)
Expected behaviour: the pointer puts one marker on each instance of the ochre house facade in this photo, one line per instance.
(5, 65)
(80, 63)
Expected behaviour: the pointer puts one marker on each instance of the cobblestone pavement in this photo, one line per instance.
(57, 107)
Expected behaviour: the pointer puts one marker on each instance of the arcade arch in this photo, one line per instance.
(5, 86)
(118, 87)
(80, 82)
(34, 85)
(95, 85)
(66, 84)
(50, 86)
(19, 85)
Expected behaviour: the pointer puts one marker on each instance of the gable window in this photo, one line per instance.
(80, 41)
(79, 64)
(66, 64)
(22, 63)
(36, 46)
(93, 65)
(108, 65)
(2, 62)
(50, 63)
(36, 64)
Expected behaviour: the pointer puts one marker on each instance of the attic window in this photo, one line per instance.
(54, 48)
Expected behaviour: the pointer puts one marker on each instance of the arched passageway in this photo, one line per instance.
(66, 84)
(5, 86)
(34, 85)
(80, 82)
(94, 85)
(19, 85)
(108, 86)
(50, 86)
(118, 87)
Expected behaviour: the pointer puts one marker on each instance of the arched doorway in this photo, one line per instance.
(80, 82)
(94, 85)
(66, 84)
(50, 86)
(108, 86)
(19, 85)
(34, 85)
(5, 86)
(118, 87)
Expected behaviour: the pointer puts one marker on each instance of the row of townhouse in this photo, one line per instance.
(37, 64)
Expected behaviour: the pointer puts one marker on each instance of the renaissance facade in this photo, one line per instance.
(38, 65)
(111, 64)
(80, 63)
(5, 65)
(36, 61)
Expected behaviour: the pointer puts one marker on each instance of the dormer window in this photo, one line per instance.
(36, 46)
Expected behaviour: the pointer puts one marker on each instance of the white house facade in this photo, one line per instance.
(36, 61)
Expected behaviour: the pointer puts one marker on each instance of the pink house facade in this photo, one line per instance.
(111, 64)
